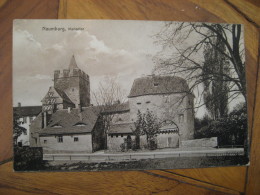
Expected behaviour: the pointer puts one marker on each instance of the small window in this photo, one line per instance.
(120, 119)
(45, 141)
(31, 119)
(76, 139)
(121, 135)
(148, 102)
(112, 135)
(116, 135)
(25, 132)
(181, 118)
(80, 124)
(60, 139)
(138, 103)
(156, 84)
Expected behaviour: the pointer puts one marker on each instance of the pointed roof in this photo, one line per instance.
(73, 63)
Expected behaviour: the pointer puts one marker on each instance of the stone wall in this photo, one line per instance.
(167, 140)
(205, 142)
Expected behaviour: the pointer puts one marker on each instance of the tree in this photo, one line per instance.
(108, 97)
(138, 130)
(146, 124)
(183, 45)
(216, 89)
(17, 129)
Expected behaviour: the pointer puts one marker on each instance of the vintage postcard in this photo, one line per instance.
(93, 95)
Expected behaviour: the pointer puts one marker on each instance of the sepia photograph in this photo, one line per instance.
(108, 95)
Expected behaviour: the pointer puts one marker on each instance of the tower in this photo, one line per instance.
(74, 82)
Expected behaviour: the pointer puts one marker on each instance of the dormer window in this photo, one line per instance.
(80, 124)
(56, 126)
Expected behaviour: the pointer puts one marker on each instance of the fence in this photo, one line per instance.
(140, 156)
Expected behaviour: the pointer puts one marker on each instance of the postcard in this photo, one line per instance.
(93, 95)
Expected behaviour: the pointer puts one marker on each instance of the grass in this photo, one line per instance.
(166, 163)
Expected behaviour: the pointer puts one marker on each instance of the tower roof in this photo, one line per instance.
(73, 63)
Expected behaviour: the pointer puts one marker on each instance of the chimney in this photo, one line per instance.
(19, 104)
(80, 112)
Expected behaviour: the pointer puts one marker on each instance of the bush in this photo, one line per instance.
(28, 159)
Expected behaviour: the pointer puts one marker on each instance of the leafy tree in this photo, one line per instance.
(216, 88)
(17, 129)
(139, 128)
(146, 124)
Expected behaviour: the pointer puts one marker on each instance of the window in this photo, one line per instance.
(156, 84)
(148, 102)
(60, 139)
(121, 135)
(80, 124)
(45, 141)
(138, 103)
(72, 89)
(25, 132)
(24, 119)
(116, 135)
(112, 135)
(76, 139)
(31, 119)
(181, 118)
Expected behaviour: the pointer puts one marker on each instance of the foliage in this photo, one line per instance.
(216, 88)
(26, 159)
(146, 124)
(231, 130)
(17, 129)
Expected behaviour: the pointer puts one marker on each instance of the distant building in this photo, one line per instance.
(25, 115)
(68, 123)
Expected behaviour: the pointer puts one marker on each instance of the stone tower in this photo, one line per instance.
(75, 83)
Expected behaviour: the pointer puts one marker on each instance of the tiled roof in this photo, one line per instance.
(121, 128)
(27, 110)
(68, 121)
(116, 108)
(64, 96)
(151, 85)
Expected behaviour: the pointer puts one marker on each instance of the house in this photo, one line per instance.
(24, 116)
(73, 130)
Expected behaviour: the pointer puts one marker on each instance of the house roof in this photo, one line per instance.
(60, 93)
(152, 85)
(68, 121)
(121, 128)
(116, 108)
(64, 96)
(27, 110)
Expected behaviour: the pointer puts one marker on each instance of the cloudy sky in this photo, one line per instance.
(123, 50)
(119, 49)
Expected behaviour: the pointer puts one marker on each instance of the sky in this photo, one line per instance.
(123, 50)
